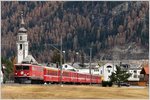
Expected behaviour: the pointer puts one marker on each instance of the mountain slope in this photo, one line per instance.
(82, 24)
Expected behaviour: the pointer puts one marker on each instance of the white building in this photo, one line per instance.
(2, 73)
(135, 74)
(1, 76)
(94, 71)
(106, 70)
(68, 67)
(22, 43)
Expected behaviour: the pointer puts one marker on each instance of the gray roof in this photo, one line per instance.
(22, 29)
(86, 65)
(30, 59)
(134, 68)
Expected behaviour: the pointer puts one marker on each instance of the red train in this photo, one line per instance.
(41, 74)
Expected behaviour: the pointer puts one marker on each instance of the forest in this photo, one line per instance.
(100, 25)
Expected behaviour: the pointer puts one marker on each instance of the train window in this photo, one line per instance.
(25, 67)
(18, 67)
(96, 70)
(81, 75)
(65, 74)
(53, 72)
(48, 72)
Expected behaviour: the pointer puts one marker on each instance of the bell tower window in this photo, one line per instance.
(20, 37)
(20, 46)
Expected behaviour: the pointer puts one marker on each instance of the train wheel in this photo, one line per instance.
(16, 80)
(21, 81)
(33, 82)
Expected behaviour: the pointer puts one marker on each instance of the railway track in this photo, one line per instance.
(11, 83)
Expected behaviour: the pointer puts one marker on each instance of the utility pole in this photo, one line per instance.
(90, 65)
(61, 61)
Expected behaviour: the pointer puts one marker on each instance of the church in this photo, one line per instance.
(23, 45)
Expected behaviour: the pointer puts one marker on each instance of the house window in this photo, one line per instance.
(139, 76)
(101, 72)
(109, 67)
(135, 71)
(66, 66)
(96, 70)
(135, 76)
(139, 71)
(20, 37)
(20, 47)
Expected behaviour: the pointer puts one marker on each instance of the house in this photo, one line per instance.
(94, 68)
(94, 71)
(135, 75)
(144, 77)
(106, 70)
(68, 67)
(77, 67)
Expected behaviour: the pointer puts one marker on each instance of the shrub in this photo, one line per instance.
(107, 83)
(104, 83)
(110, 84)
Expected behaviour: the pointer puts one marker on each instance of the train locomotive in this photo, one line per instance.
(38, 74)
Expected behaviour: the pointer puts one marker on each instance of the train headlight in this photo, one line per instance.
(21, 72)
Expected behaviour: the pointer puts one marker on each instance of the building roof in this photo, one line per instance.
(30, 59)
(145, 69)
(22, 29)
(134, 68)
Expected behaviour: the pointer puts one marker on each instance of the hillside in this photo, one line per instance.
(105, 26)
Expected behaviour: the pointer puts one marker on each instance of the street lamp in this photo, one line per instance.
(64, 56)
(89, 63)
(60, 57)
(77, 53)
(61, 61)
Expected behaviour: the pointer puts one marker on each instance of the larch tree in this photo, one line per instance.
(120, 75)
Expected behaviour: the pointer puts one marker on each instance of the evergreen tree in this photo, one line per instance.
(119, 76)
(8, 71)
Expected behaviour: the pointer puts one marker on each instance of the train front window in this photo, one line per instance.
(18, 67)
(25, 67)
(22, 67)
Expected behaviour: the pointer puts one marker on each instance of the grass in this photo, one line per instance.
(71, 92)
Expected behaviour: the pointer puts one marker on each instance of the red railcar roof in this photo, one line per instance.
(52, 68)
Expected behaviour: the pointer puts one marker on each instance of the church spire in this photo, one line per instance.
(22, 28)
(22, 20)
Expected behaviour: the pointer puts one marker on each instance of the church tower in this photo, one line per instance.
(22, 43)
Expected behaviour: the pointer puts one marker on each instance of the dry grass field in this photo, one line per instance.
(71, 92)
